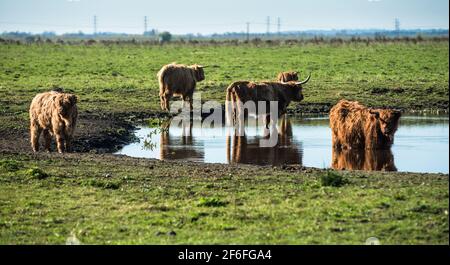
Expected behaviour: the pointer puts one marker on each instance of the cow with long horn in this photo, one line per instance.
(241, 92)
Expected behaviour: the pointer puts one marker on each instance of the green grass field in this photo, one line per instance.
(114, 200)
(107, 199)
(123, 78)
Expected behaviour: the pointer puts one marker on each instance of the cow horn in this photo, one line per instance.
(304, 81)
(202, 66)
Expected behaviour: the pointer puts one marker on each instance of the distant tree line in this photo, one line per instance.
(153, 37)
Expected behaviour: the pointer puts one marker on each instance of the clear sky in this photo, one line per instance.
(209, 16)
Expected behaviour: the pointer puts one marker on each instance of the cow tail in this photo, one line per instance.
(160, 76)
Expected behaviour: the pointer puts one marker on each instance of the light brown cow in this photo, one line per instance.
(241, 92)
(53, 113)
(355, 126)
(178, 80)
(287, 76)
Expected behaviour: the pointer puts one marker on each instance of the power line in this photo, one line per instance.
(248, 31)
(397, 27)
(95, 25)
(279, 26)
(145, 24)
(257, 26)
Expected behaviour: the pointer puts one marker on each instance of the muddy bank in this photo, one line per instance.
(176, 169)
(95, 132)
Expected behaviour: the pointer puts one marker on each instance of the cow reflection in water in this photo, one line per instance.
(241, 149)
(179, 148)
(369, 160)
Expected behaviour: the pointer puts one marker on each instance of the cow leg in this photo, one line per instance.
(191, 103)
(240, 115)
(35, 132)
(165, 98)
(187, 99)
(267, 121)
(167, 102)
(233, 109)
(335, 141)
(229, 108)
(47, 139)
(162, 100)
(68, 142)
(59, 134)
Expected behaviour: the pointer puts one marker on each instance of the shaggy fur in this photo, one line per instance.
(287, 76)
(178, 80)
(368, 160)
(356, 126)
(53, 113)
(243, 91)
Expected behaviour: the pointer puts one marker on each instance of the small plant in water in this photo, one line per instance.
(148, 143)
(333, 179)
(156, 122)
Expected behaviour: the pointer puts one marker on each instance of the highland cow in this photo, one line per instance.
(355, 126)
(178, 80)
(53, 113)
(287, 76)
(241, 92)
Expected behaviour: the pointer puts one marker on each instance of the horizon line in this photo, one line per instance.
(226, 32)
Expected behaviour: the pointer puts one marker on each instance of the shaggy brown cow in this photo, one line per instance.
(53, 113)
(359, 159)
(240, 92)
(287, 76)
(178, 80)
(356, 126)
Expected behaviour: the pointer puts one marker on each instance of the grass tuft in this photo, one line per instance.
(211, 202)
(10, 165)
(333, 179)
(104, 184)
(36, 173)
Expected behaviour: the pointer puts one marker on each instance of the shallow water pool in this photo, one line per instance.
(421, 145)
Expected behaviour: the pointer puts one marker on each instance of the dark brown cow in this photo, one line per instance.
(355, 126)
(241, 92)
